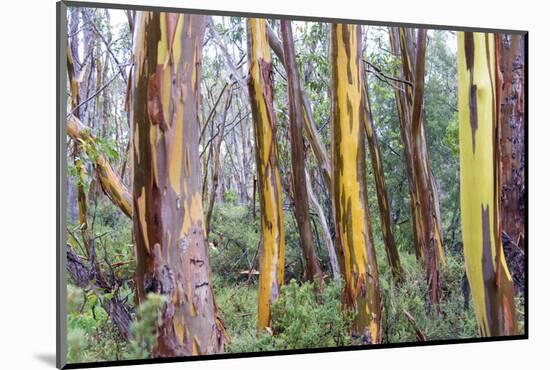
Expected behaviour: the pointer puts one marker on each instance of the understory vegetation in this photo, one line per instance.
(301, 318)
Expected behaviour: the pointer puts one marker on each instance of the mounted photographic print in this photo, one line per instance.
(234, 184)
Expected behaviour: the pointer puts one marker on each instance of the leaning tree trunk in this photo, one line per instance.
(490, 281)
(423, 192)
(312, 134)
(430, 228)
(381, 189)
(512, 152)
(327, 237)
(301, 203)
(171, 244)
(403, 99)
(350, 202)
(260, 87)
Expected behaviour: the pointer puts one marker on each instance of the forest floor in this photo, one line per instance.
(301, 317)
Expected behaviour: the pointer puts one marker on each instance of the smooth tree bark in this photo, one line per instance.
(381, 189)
(350, 199)
(260, 87)
(490, 281)
(327, 237)
(301, 202)
(169, 230)
(423, 191)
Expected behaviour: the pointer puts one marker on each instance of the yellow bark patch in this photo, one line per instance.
(176, 43)
(350, 211)
(176, 156)
(196, 346)
(179, 327)
(478, 185)
(272, 261)
(142, 220)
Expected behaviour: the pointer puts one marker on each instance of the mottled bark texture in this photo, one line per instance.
(260, 87)
(349, 186)
(422, 189)
(301, 202)
(486, 268)
(381, 189)
(171, 244)
(512, 151)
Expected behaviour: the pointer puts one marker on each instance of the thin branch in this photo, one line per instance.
(94, 94)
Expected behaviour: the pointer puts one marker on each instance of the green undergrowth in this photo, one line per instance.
(301, 317)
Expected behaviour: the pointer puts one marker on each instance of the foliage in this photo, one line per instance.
(452, 321)
(90, 334)
(144, 327)
(301, 318)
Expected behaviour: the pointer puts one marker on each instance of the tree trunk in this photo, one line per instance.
(260, 87)
(350, 202)
(425, 200)
(312, 134)
(490, 282)
(171, 244)
(430, 229)
(78, 160)
(512, 152)
(301, 204)
(216, 162)
(327, 238)
(381, 189)
(403, 108)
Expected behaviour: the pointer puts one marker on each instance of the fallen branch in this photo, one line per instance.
(110, 182)
(419, 335)
(88, 277)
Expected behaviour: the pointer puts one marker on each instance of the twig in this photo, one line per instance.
(94, 94)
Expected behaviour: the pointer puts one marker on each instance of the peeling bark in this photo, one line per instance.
(310, 127)
(171, 244)
(301, 204)
(512, 151)
(381, 189)
(423, 192)
(260, 87)
(350, 201)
